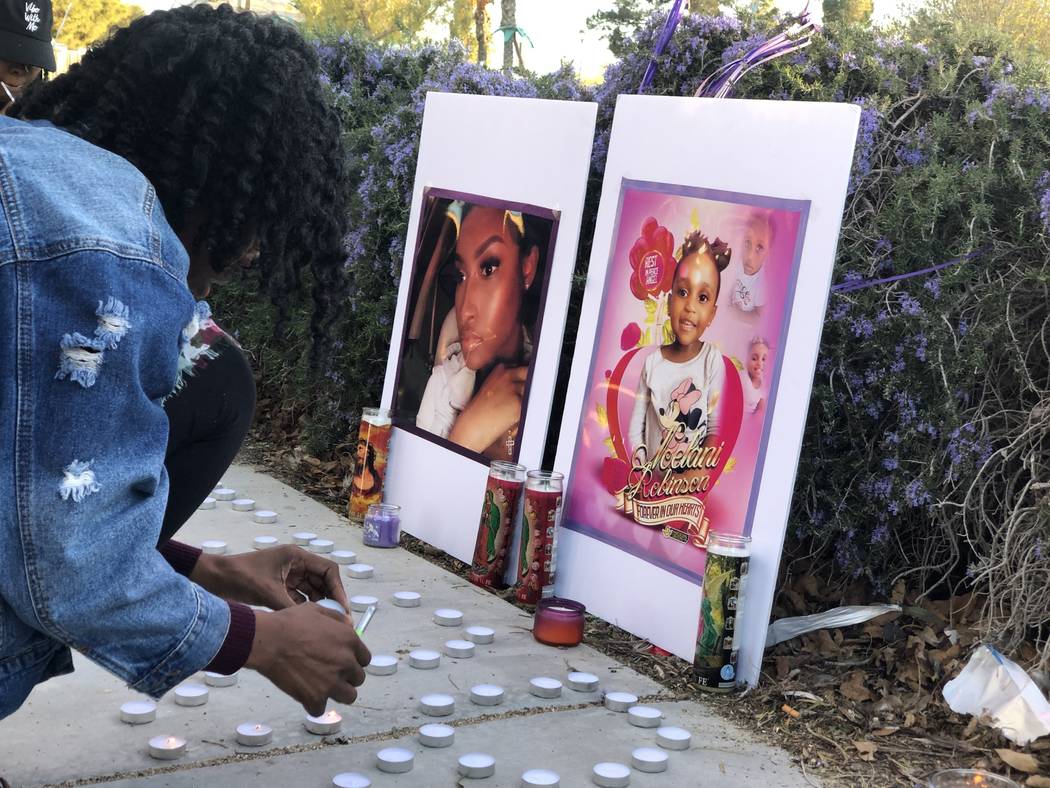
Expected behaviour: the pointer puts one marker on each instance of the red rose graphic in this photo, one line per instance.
(652, 261)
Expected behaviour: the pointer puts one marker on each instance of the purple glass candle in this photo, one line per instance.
(382, 525)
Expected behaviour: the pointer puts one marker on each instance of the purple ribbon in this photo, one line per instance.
(849, 287)
(661, 44)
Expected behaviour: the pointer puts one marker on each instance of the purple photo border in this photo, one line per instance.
(802, 207)
(436, 193)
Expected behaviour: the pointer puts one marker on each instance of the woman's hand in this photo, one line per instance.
(272, 578)
(493, 411)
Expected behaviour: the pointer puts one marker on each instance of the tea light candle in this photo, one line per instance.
(207, 503)
(644, 716)
(328, 723)
(447, 617)
(360, 571)
(264, 516)
(477, 765)
(362, 602)
(558, 622)
(437, 705)
(649, 759)
(544, 687)
(191, 695)
(480, 635)
(264, 542)
(343, 556)
(424, 659)
(223, 494)
(394, 760)
(434, 734)
(459, 649)
(167, 748)
(303, 537)
(351, 780)
(382, 665)
(672, 738)
(583, 682)
(243, 504)
(619, 701)
(220, 679)
(611, 775)
(220, 485)
(254, 734)
(331, 604)
(138, 712)
(407, 599)
(321, 545)
(486, 695)
(213, 547)
(540, 777)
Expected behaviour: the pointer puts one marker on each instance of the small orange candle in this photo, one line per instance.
(558, 622)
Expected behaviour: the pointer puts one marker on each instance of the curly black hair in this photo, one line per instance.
(225, 114)
(698, 243)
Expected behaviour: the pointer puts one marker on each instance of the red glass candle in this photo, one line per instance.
(502, 493)
(558, 622)
(539, 536)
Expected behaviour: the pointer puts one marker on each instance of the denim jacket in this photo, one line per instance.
(94, 314)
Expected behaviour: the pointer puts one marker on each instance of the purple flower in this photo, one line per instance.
(915, 494)
(890, 463)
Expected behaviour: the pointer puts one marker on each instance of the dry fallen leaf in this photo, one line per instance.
(897, 596)
(1038, 781)
(867, 749)
(853, 688)
(886, 731)
(783, 667)
(1021, 761)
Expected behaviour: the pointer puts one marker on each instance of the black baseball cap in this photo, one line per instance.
(25, 33)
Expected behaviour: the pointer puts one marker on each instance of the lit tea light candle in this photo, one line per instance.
(672, 738)
(424, 659)
(264, 516)
(220, 679)
(207, 503)
(394, 760)
(644, 716)
(486, 695)
(138, 712)
(303, 538)
(321, 546)
(360, 571)
(534, 778)
(545, 687)
(583, 682)
(362, 602)
(254, 734)
(243, 504)
(460, 649)
(264, 542)
(619, 701)
(191, 695)
(351, 780)
(328, 723)
(611, 775)
(343, 556)
(649, 759)
(437, 705)
(167, 748)
(213, 547)
(331, 604)
(382, 665)
(407, 599)
(220, 485)
(223, 494)
(434, 734)
(447, 617)
(477, 765)
(482, 636)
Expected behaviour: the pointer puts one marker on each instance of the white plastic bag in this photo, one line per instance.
(786, 628)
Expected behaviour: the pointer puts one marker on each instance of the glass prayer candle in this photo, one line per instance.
(958, 778)
(558, 622)
(373, 445)
(725, 575)
(382, 526)
(539, 535)
(502, 492)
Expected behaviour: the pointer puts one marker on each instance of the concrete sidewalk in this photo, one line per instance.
(70, 729)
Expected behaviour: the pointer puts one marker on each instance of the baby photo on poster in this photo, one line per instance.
(479, 281)
(684, 370)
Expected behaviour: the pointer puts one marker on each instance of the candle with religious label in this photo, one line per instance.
(725, 575)
(539, 535)
(498, 510)
(558, 622)
(373, 445)
(382, 526)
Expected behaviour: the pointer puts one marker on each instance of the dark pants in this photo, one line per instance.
(208, 419)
